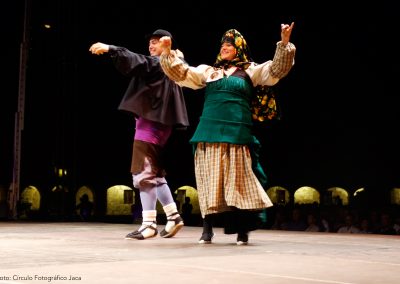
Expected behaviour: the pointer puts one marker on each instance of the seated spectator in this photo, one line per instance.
(279, 219)
(396, 224)
(349, 227)
(296, 223)
(312, 225)
(324, 222)
(387, 226)
(365, 227)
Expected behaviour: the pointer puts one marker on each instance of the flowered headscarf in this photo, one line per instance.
(243, 56)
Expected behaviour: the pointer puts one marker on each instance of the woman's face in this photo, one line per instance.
(227, 51)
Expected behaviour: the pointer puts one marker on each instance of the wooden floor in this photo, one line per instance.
(61, 253)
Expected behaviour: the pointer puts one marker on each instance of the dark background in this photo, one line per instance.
(339, 102)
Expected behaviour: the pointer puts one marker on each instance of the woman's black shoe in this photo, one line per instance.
(206, 238)
(242, 239)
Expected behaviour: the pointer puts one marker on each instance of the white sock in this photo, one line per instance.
(172, 213)
(149, 219)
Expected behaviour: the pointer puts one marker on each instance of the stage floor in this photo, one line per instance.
(61, 253)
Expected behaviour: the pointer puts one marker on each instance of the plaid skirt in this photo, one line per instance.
(225, 179)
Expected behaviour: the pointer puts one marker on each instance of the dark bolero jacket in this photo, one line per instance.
(150, 94)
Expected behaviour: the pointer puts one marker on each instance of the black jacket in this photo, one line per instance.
(150, 94)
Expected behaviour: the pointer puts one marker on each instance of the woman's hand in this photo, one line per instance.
(286, 30)
(165, 43)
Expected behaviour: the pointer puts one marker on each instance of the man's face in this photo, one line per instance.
(154, 46)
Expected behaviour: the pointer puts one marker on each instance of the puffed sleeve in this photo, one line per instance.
(173, 66)
(130, 63)
(183, 74)
(283, 60)
(270, 72)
